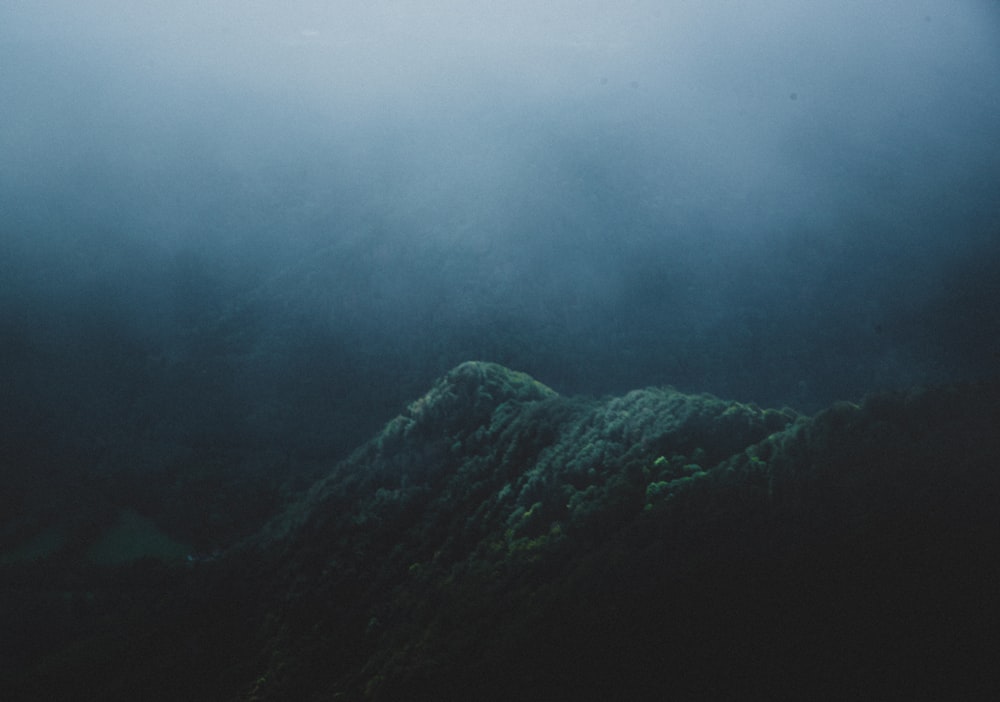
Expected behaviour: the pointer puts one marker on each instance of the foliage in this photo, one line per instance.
(497, 540)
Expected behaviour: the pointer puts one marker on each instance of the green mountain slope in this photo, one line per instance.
(499, 541)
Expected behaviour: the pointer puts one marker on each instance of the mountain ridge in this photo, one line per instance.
(498, 540)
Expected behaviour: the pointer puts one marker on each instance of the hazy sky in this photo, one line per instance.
(755, 101)
(649, 181)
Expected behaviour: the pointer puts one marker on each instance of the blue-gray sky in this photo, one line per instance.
(772, 200)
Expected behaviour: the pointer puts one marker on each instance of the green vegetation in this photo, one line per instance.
(500, 538)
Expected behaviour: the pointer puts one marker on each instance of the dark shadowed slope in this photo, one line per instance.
(499, 541)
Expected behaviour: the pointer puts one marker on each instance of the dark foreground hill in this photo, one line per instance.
(499, 542)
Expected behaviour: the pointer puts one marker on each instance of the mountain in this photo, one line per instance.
(499, 541)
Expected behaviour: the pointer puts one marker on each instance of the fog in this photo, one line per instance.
(269, 225)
